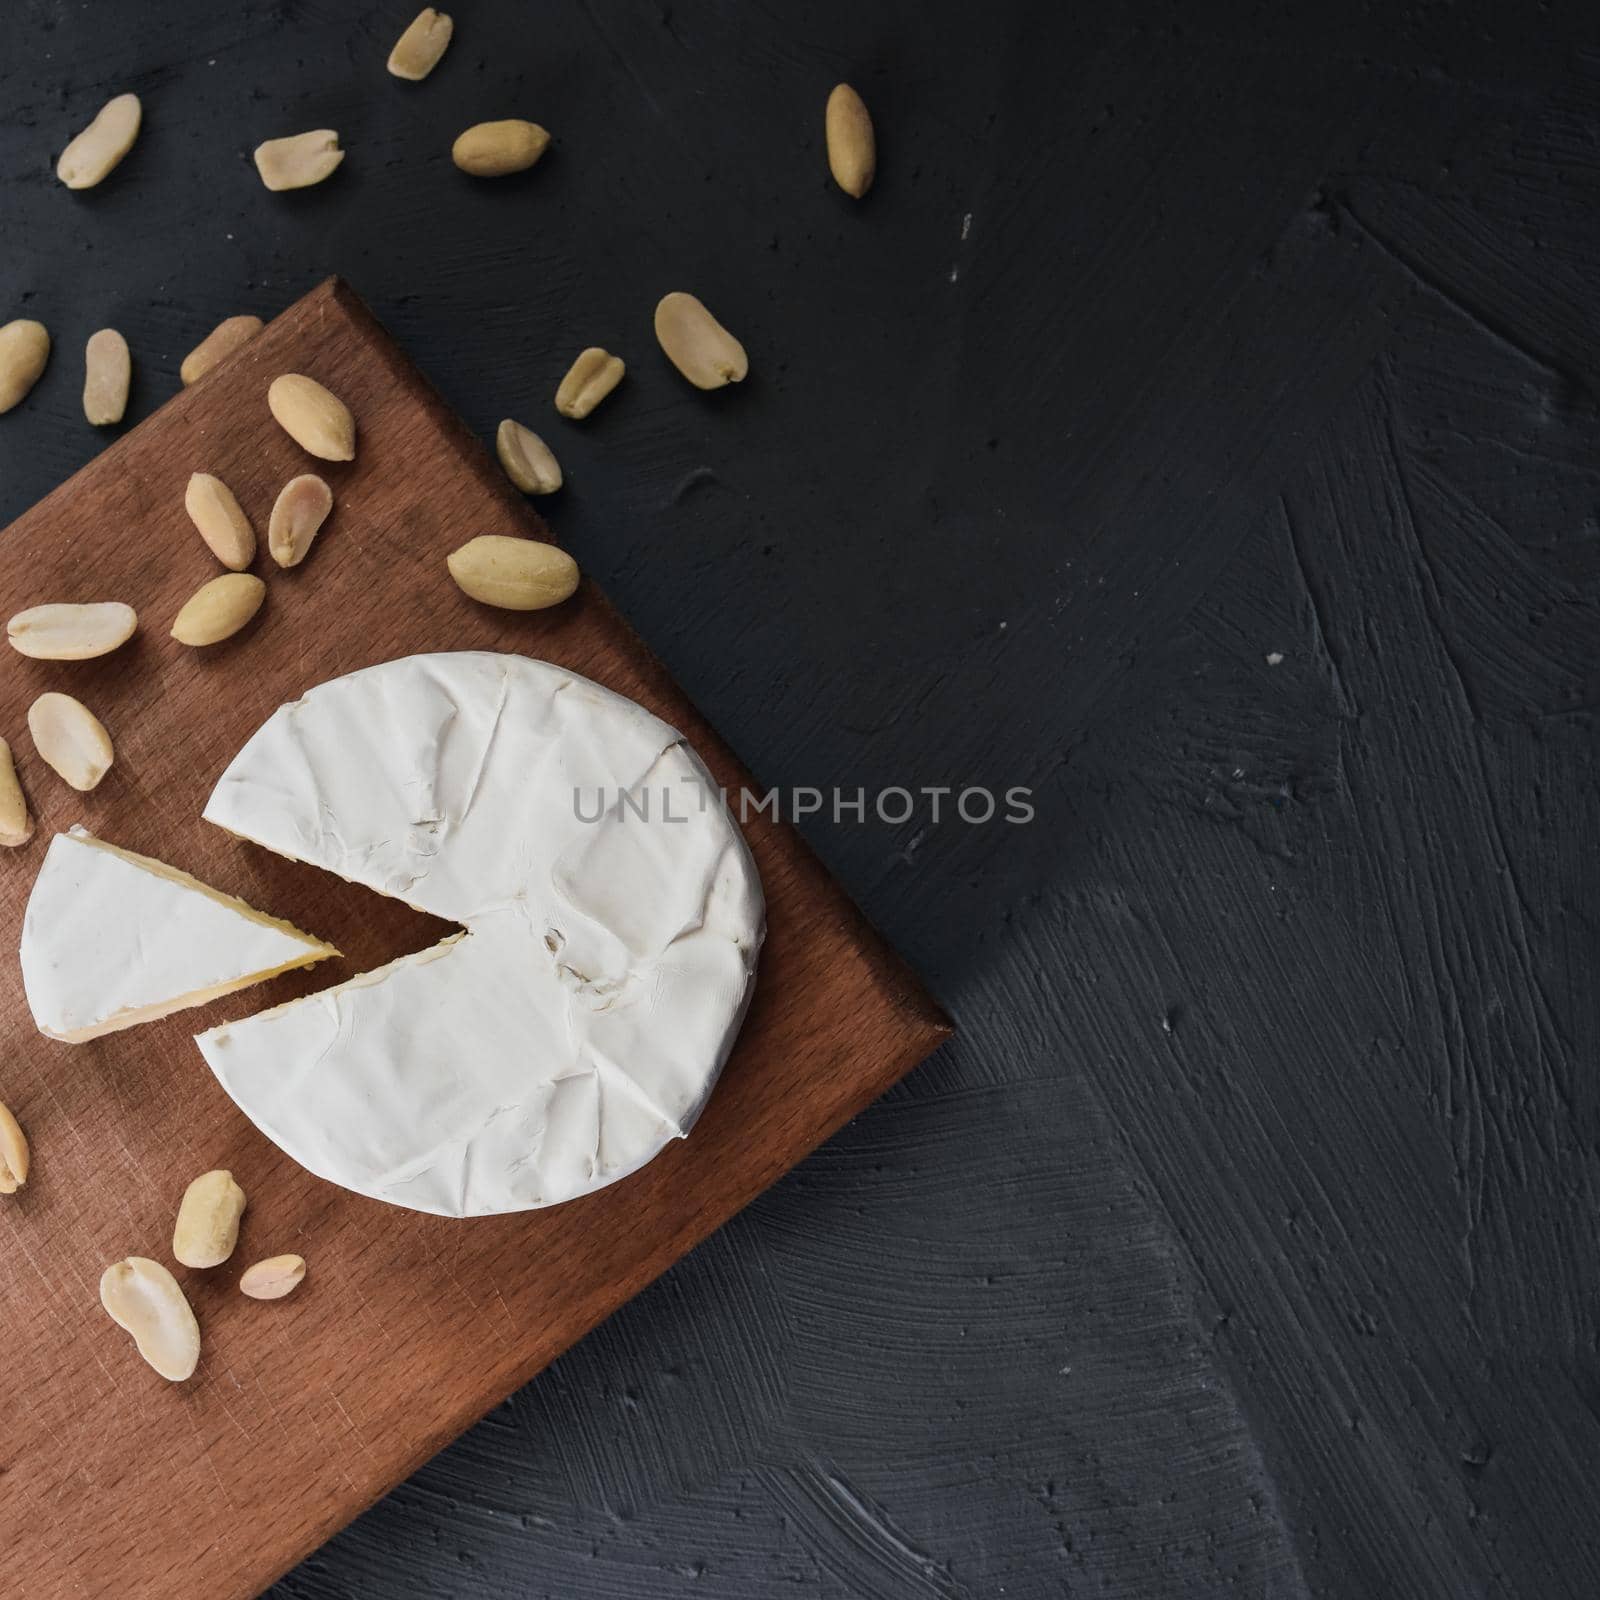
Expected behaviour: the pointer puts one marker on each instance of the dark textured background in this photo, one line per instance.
(1245, 1241)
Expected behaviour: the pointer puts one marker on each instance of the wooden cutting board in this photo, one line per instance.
(408, 1327)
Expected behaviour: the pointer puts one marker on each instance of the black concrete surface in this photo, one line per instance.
(1197, 425)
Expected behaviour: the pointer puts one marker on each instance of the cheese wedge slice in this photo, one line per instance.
(111, 938)
(612, 918)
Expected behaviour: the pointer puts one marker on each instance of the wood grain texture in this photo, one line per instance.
(408, 1327)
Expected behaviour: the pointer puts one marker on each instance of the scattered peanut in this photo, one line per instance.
(13, 1153)
(72, 632)
(529, 461)
(298, 161)
(514, 574)
(107, 372)
(24, 349)
(219, 609)
(589, 380)
(297, 514)
(218, 345)
(697, 344)
(318, 421)
(216, 512)
(16, 826)
(71, 740)
(852, 146)
(92, 155)
(274, 1278)
(418, 49)
(493, 149)
(207, 1228)
(141, 1296)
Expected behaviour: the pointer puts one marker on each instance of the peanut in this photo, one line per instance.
(589, 380)
(417, 51)
(72, 632)
(107, 372)
(514, 574)
(529, 461)
(24, 349)
(141, 1296)
(697, 344)
(493, 149)
(317, 420)
(207, 1228)
(298, 161)
(219, 609)
(71, 740)
(92, 155)
(220, 519)
(218, 345)
(13, 1153)
(297, 514)
(16, 826)
(852, 145)
(274, 1278)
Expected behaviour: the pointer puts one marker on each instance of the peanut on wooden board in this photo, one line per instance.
(514, 574)
(300, 160)
(215, 511)
(529, 462)
(298, 513)
(141, 1296)
(92, 155)
(70, 739)
(315, 418)
(219, 609)
(418, 49)
(72, 632)
(494, 149)
(274, 1278)
(697, 344)
(218, 345)
(852, 145)
(207, 1228)
(589, 380)
(14, 1158)
(24, 350)
(107, 373)
(16, 826)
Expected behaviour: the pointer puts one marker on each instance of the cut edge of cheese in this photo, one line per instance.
(310, 948)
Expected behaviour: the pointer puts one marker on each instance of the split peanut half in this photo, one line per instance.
(297, 515)
(852, 145)
(298, 161)
(71, 740)
(219, 609)
(418, 49)
(107, 373)
(215, 511)
(207, 1228)
(529, 462)
(141, 1296)
(514, 574)
(24, 349)
(494, 149)
(92, 155)
(14, 1158)
(72, 632)
(218, 345)
(16, 826)
(274, 1278)
(697, 344)
(316, 419)
(589, 380)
